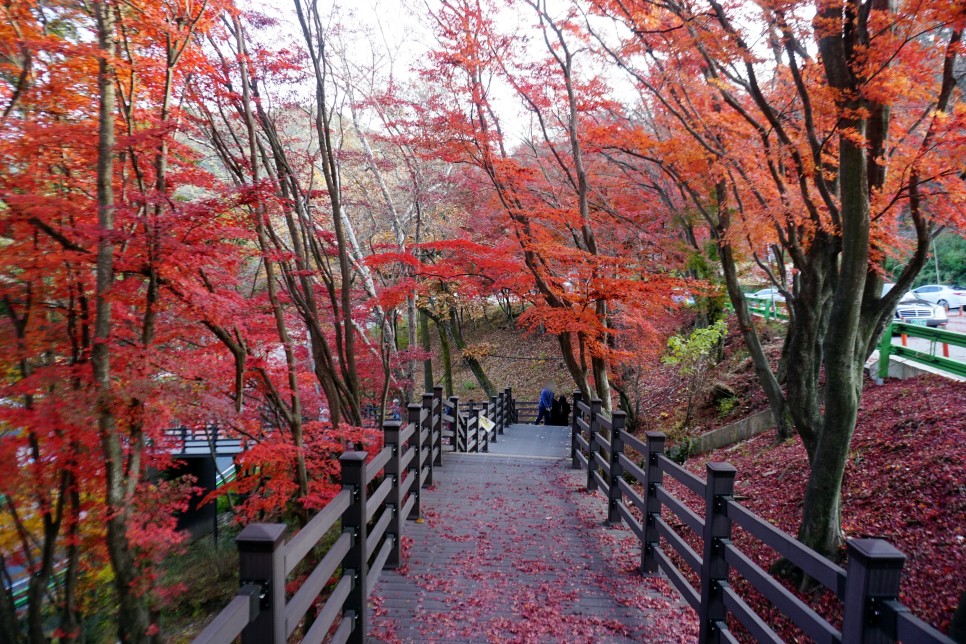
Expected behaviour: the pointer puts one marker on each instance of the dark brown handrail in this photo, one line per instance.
(868, 588)
(370, 539)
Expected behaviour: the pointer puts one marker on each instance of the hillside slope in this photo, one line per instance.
(903, 483)
(514, 358)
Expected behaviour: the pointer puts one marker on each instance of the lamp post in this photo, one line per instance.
(935, 256)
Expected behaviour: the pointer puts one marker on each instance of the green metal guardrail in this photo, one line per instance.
(766, 308)
(936, 337)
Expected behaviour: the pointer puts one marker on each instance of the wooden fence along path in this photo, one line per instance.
(378, 495)
(636, 495)
(506, 547)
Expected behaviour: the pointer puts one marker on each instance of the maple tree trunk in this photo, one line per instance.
(600, 364)
(386, 347)
(776, 399)
(133, 618)
(340, 295)
(411, 316)
(456, 335)
(292, 409)
(577, 368)
(447, 361)
(821, 516)
(70, 619)
(424, 345)
(8, 611)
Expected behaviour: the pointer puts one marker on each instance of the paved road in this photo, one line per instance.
(513, 550)
(956, 323)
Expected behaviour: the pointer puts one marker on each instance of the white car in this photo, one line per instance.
(945, 296)
(771, 294)
(913, 310)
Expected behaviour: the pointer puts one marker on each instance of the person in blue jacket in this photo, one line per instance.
(545, 404)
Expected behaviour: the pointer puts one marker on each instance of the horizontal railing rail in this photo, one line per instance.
(636, 494)
(526, 411)
(939, 339)
(370, 528)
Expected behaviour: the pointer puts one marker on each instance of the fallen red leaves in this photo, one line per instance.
(523, 556)
(903, 482)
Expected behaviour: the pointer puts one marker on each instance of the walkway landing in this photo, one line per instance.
(512, 549)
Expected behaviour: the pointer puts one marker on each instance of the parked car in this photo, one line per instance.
(913, 310)
(949, 297)
(771, 293)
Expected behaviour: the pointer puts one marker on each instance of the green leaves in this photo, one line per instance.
(691, 353)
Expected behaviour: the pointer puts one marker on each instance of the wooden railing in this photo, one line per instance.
(939, 341)
(868, 587)
(468, 433)
(527, 410)
(370, 529)
(203, 440)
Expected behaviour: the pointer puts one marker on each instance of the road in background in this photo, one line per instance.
(957, 324)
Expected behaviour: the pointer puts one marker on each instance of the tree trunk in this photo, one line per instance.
(9, 624)
(133, 619)
(776, 399)
(453, 329)
(821, 524)
(412, 315)
(292, 410)
(577, 368)
(447, 361)
(424, 345)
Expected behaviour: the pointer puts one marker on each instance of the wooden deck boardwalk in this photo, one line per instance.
(513, 549)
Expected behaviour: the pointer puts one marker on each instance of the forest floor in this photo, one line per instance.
(903, 483)
(511, 358)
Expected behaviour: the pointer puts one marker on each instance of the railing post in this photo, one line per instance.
(415, 465)
(714, 567)
(873, 573)
(355, 561)
(482, 435)
(427, 424)
(592, 444)
(512, 407)
(261, 561)
(390, 431)
(655, 477)
(491, 414)
(438, 425)
(508, 406)
(499, 413)
(618, 419)
(885, 352)
(574, 431)
(454, 402)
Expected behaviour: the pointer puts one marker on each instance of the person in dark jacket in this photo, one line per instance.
(545, 404)
(562, 416)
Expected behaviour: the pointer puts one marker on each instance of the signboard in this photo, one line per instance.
(486, 423)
